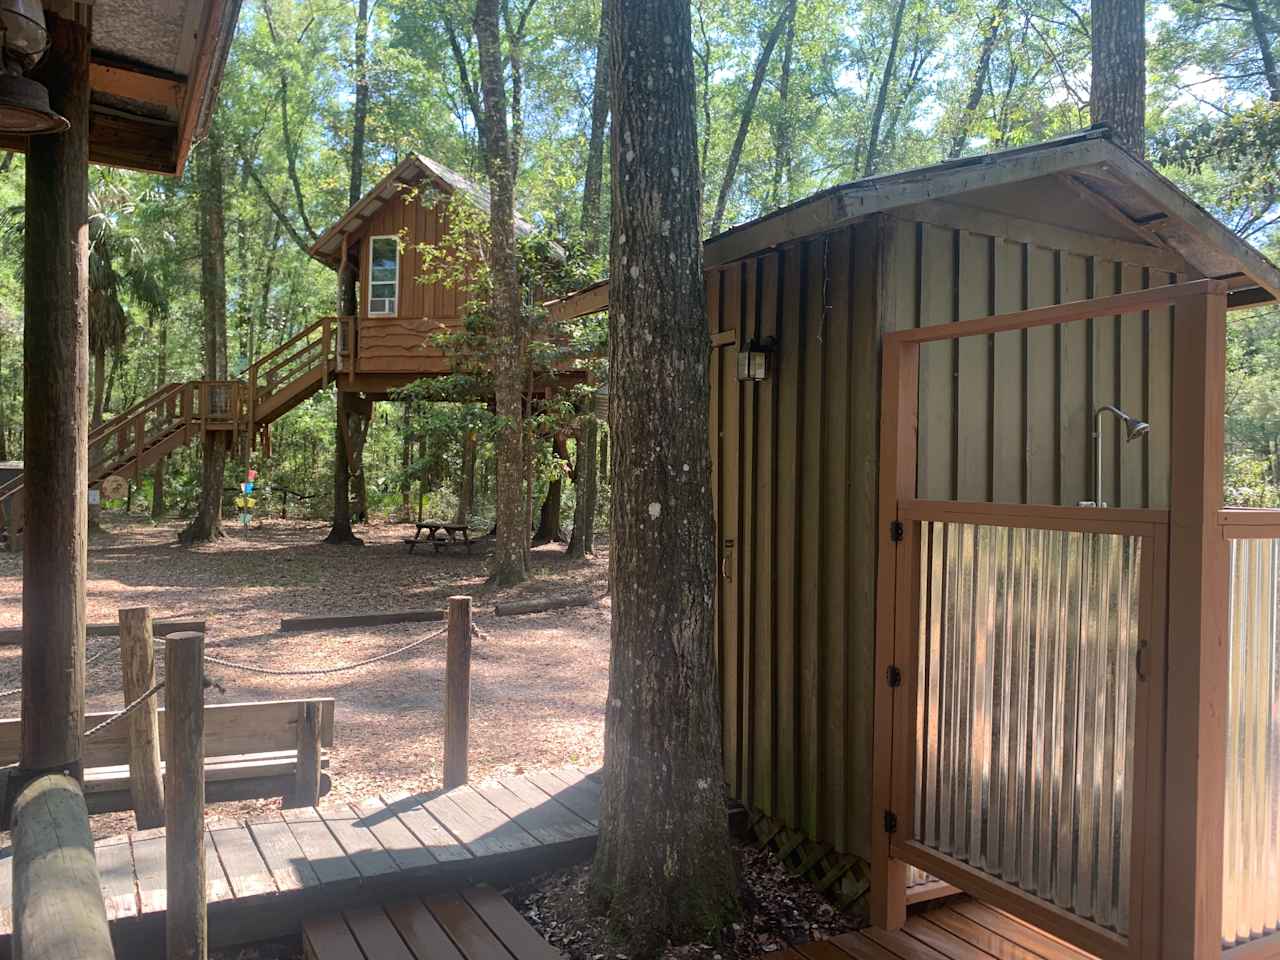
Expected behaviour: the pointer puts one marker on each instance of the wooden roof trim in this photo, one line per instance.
(136, 83)
(1110, 210)
(202, 85)
(362, 210)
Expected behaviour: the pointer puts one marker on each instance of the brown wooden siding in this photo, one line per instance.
(794, 467)
(415, 223)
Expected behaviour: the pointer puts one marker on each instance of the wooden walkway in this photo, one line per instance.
(476, 924)
(958, 930)
(266, 877)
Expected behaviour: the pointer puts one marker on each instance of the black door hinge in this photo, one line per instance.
(896, 531)
(894, 676)
(890, 822)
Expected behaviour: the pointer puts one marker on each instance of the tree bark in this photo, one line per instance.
(206, 525)
(467, 486)
(960, 138)
(510, 564)
(55, 413)
(1118, 89)
(782, 127)
(1263, 37)
(340, 532)
(748, 109)
(870, 164)
(663, 868)
(550, 529)
(406, 458)
(162, 376)
(593, 181)
(585, 476)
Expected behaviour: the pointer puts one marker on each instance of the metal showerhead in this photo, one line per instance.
(1133, 429)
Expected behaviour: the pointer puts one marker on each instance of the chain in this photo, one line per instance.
(14, 691)
(321, 671)
(120, 714)
(479, 634)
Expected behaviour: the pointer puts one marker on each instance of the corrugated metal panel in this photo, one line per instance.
(1251, 882)
(1026, 709)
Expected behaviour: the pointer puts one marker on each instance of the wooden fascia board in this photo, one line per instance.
(843, 206)
(202, 83)
(1169, 198)
(959, 216)
(132, 83)
(580, 304)
(364, 208)
(1108, 209)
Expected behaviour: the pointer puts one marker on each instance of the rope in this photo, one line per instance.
(121, 714)
(321, 671)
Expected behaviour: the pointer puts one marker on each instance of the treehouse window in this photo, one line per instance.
(384, 275)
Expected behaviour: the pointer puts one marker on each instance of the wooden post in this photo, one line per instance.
(138, 664)
(55, 412)
(457, 703)
(186, 924)
(57, 903)
(306, 791)
(1197, 658)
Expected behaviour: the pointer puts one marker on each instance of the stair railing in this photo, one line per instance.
(310, 350)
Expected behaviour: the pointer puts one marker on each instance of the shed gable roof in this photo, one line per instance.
(408, 173)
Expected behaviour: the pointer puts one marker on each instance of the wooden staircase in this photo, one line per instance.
(239, 411)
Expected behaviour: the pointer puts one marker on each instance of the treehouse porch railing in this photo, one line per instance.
(1063, 728)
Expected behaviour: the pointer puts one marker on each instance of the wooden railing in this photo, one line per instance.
(278, 375)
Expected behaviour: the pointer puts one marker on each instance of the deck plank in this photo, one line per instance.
(861, 948)
(282, 854)
(508, 926)
(247, 872)
(474, 940)
(148, 868)
(323, 852)
(541, 815)
(115, 875)
(358, 842)
(397, 839)
(443, 845)
(1043, 944)
(327, 937)
(376, 935)
(903, 945)
(216, 885)
(579, 794)
(421, 931)
(481, 826)
(945, 942)
(967, 930)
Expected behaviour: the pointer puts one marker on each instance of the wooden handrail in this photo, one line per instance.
(1121, 303)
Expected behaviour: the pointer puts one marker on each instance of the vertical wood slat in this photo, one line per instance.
(972, 292)
(748, 394)
(788, 526)
(730, 527)
(813, 463)
(1074, 426)
(764, 541)
(1194, 799)
(1102, 378)
(1008, 387)
(1131, 390)
(937, 411)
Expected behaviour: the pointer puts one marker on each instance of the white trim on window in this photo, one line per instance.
(380, 304)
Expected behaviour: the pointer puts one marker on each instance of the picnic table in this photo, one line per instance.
(454, 533)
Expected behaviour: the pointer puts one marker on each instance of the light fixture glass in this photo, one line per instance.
(753, 362)
(24, 103)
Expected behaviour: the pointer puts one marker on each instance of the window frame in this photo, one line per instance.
(395, 300)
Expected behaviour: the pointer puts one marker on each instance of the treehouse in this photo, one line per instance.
(944, 664)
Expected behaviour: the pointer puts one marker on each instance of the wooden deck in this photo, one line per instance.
(266, 877)
(476, 923)
(958, 930)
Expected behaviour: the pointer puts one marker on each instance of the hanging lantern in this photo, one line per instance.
(24, 103)
(753, 361)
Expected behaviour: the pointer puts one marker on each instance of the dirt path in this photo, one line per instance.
(538, 681)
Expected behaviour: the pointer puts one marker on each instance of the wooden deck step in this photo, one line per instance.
(476, 924)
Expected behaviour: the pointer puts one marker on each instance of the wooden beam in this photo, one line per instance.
(13, 635)
(588, 300)
(118, 80)
(186, 920)
(457, 703)
(55, 421)
(1196, 699)
(1109, 210)
(138, 666)
(360, 619)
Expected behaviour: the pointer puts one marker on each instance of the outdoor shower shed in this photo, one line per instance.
(929, 653)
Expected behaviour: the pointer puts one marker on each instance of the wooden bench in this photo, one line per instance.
(455, 533)
(251, 752)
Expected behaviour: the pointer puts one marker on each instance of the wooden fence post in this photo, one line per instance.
(306, 790)
(186, 924)
(457, 703)
(138, 662)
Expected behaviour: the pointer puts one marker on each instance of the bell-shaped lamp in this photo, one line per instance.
(24, 103)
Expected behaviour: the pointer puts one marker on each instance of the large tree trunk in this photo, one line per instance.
(94, 519)
(593, 181)
(1118, 89)
(663, 869)
(585, 476)
(467, 486)
(748, 109)
(340, 532)
(871, 163)
(510, 563)
(207, 523)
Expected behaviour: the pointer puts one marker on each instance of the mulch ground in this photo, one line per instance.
(778, 910)
(539, 681)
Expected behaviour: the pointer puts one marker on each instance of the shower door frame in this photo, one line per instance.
(1175, 883)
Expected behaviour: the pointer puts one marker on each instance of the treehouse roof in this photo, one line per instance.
(154, 71)
(408, 174)
(1083, 183)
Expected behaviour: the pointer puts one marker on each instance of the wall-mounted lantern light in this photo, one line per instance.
(753, 360)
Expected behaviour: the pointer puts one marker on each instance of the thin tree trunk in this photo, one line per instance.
(340, 532)
(782, 127)
(869, 166)
(509, 560)
(960, 138)
(207, 523)
(406, 458)
(467, 486)
(1259, 23)
(1118, 89)
(99, 384)
(593, 181)
(162, 376)
(116, 356)
(550, 529)
(662, 869)
(585, 479)
(748, 109)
